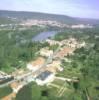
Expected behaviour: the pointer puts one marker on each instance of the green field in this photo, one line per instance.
(5, 91)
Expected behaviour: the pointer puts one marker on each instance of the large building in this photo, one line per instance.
(45, 77)
(35, 65)
(46, 52)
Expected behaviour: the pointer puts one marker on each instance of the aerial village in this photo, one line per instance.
(43, 70)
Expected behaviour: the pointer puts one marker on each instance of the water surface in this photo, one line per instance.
(44, 35)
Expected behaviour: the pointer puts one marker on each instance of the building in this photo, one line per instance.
(72, 42)
(81, 26)
(45, 77)
(53, 42)
(18, 72)
(83, 44)
(46, 52)
(35, 65)
(64, 52)
(54, 66)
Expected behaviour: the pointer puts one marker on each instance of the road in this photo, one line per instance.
(40, 70)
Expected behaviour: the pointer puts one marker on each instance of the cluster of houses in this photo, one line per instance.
(67, 47)
(81, 26)
(48, 71)
(42, 70)
(43, 23)
(53, 23)
(71, 42)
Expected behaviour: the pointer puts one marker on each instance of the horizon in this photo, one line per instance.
(86, 9)
(50, 14)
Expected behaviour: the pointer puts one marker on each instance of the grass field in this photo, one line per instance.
(5, 91)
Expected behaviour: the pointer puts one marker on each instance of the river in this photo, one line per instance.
(44, 35)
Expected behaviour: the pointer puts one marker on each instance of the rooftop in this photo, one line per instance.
(39, 61)
(64, 51)
(44, 75)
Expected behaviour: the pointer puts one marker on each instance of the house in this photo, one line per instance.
(64, 52)
(18, 72)
(83, 44)
(35, 65)
(46, 52)
(72, 42)
(53, 42)
(45, 77)
(54, 66)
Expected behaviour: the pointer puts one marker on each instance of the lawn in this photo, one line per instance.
(5, 91)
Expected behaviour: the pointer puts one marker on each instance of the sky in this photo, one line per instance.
(74, 8)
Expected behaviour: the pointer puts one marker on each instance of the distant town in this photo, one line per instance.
(44, 23)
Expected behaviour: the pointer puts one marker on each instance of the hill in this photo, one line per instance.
(16, 16)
